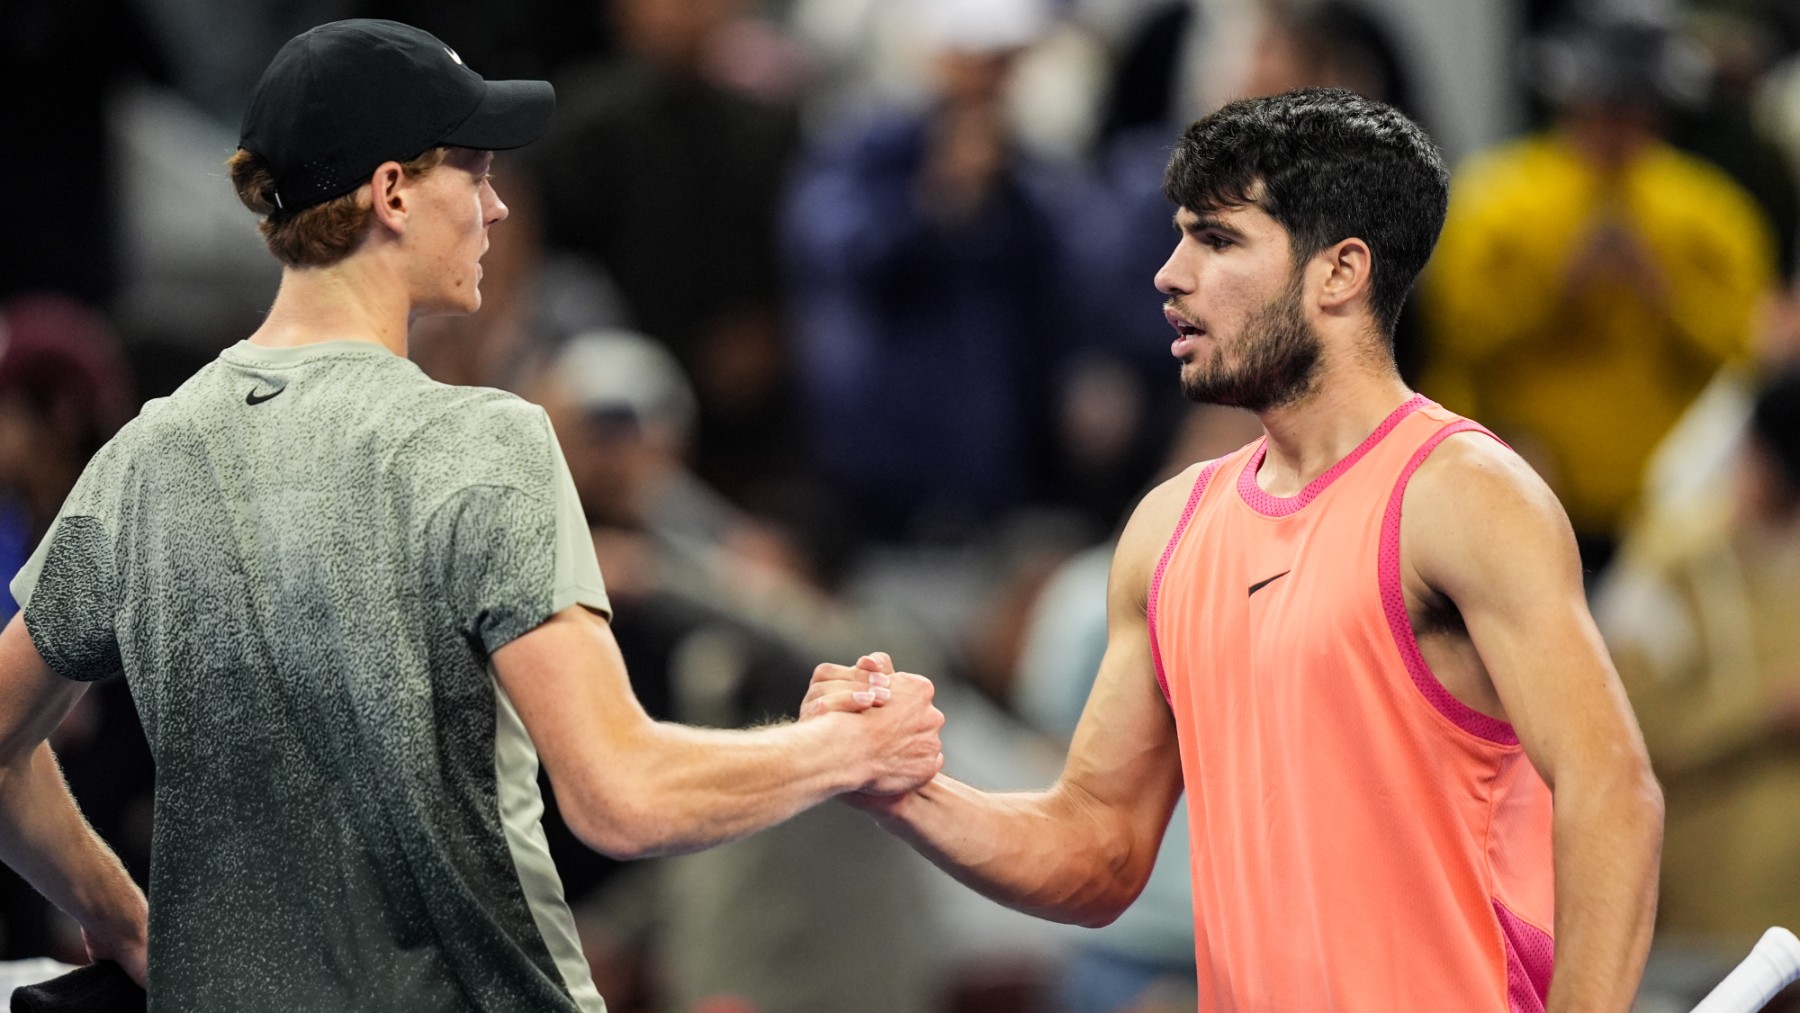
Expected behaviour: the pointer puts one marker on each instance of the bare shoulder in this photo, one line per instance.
(1153, 521)
(1474, 507)
(1473, 473)
(1149, 529)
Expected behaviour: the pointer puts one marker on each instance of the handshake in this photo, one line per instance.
(891, 720)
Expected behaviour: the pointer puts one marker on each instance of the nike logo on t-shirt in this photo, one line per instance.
(1259, 585)
(254, 398)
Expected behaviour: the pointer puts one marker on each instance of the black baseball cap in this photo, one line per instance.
(341, 99)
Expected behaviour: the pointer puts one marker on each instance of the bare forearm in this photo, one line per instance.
(1053, 854)
(676, 789)
(45, 840)
(1608, 848)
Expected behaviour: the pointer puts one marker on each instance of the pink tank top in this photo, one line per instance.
(1362, 841)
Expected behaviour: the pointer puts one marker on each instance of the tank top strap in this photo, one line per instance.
(1201, 483)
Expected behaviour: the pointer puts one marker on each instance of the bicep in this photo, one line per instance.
(33, 698)
(1124, 755)
(567, 680)
(1493, 540)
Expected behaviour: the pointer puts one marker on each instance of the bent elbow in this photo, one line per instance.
(613, 826)
(616, 844)
(1649, 794)
(1118, 873)
(1112, 897)
(1100, 916)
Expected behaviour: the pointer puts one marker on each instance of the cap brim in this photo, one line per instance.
(511, 115)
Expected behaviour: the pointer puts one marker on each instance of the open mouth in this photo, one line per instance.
(1187, 334)
(1181, 325)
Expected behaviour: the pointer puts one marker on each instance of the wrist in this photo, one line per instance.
(121, 912)
(887, 810)
(839, 737)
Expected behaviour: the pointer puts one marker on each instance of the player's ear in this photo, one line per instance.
(1349, 274)
(389, 196)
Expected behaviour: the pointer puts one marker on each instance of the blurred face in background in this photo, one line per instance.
(21, 430)
(973, 77)
(63, 392)
(1766, 496)
(672, 33)
(1328, 45)
(618, 460)
(1288, 58)
(1610, 134)
(1236, 301)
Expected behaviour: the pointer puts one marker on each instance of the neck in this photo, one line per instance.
(1310, 435)
(354, 299)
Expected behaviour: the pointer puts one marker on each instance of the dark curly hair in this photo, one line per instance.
(1328, 165)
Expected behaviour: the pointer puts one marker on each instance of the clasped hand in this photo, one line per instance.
(902, 723)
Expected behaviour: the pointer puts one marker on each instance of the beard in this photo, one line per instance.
(1278, 359)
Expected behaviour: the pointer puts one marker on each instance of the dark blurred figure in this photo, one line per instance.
(1329, 44)
(670, 180)
(1740, 49)
(922, 260)
(1716, 73)
(1699, 616)
(1141, 90)
(516, 39)
(1591, 279)
(64, 391)
(60, 61)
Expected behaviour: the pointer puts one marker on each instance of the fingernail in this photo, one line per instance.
(880, 679)
(863, 696)
(881, 695)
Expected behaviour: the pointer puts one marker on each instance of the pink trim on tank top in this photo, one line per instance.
(1530, 958)
(1393, 601)
(1162, 564)
(1280, 506)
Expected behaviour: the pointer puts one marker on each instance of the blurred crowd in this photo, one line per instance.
(843, 312)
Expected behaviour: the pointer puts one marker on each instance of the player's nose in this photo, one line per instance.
(1172, 278)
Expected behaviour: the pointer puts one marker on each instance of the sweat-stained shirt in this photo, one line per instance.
(302, 561)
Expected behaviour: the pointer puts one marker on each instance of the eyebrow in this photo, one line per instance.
(1206, 223)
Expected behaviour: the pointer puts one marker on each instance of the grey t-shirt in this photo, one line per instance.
(302, 561)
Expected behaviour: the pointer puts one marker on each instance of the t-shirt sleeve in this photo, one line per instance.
(578, 580)
(512, 544)
(68, 591)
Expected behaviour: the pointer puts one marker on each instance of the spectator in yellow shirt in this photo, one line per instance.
(1591, 279)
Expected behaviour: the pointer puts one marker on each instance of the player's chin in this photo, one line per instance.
(464, 302)
(460, 305)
